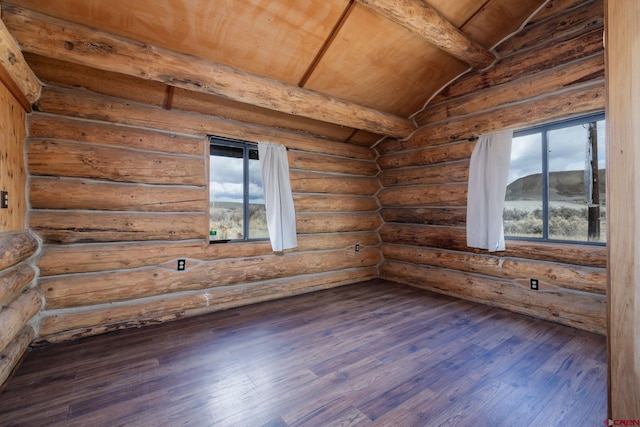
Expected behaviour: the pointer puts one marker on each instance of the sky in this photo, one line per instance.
(225, 174)
(567, 149)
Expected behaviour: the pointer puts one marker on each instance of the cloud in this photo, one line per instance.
(526, 153)
(567, 151)
(226, 180)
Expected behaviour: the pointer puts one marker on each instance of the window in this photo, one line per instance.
(556, 185)
(236, 199)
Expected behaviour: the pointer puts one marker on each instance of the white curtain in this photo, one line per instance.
(488, 174)
(281, 215)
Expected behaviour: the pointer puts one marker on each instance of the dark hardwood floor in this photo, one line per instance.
(374, 353)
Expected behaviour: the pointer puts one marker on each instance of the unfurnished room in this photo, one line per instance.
(319, 213)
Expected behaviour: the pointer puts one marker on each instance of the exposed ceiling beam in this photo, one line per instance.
(420, 18)
(63, 40)
(15, 72)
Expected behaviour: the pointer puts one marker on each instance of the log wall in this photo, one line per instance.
(118, 189)
(20, 301)
(553, 69)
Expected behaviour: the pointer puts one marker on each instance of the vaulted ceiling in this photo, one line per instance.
(356, 64)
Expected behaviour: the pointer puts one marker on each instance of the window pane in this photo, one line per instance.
(257, 211)
(523, 201)
(602, 188)
(572, 199)
(226, 220)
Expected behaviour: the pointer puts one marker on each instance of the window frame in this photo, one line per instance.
(544, 129)
(246, 147)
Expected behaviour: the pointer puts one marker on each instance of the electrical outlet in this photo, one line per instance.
(4, 199)
(181, 264)
(534, 284)
(357, 247)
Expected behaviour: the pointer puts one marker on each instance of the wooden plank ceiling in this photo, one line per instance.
(367, 65)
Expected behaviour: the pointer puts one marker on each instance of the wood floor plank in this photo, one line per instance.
(370, 354)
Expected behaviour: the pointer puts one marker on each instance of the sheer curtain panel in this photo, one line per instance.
(488, 174)
(281, 215)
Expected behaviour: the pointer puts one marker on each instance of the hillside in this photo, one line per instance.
(563, 186)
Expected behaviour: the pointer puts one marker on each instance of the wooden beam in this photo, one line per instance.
(623, 210)
(455, 239)
(99, 109)
(88, 321)
(420, 18)
(540, 58)
(316, 182)
(580, 310)
(67, 226)
(424, 195)
(16, 314)
(94, 257)
(14, 71)
(16, 247)
(546, 82)
(337, 222)
(100, 288)
(550, 274)
(12, 354)
(63, 40)
(14, 280)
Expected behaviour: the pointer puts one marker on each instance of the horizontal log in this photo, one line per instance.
(63, 73)
(54, 326)
(424, 195)
(48, 126)
(316, 182)
(333, 203)
(16, 247)
(311, 223)
(52, 37)
(341, 240)
(93, 257)
(83, 258)
(544, 57)
(579, 278)
(187, 100)
(322, 163)
(14, 280)
(74, 159)
(100, 288)
(425, 21)
(12, 354)
(52, 193)
(451, 217)
(88, 227)
(13, 93)
(539, 84)
(576, 309)
(428, 155)
(441, 173)
(17, 69)
(82, 104)
(592, 256)
(15, 316)
(553, 8)
(588, 98)
(453, 238)
(563, 25)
